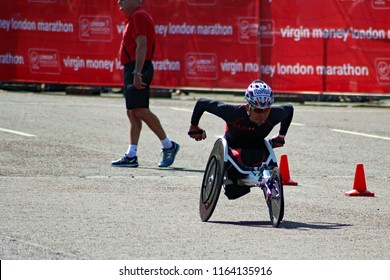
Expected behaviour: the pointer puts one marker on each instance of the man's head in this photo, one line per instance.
(128, 6)
(260, 98)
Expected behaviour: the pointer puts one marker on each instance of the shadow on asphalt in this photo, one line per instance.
(284, 224)
(181, 169)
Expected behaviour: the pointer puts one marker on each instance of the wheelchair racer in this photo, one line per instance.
(246, 125)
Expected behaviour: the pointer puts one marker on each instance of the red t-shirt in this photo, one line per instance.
(139, 23)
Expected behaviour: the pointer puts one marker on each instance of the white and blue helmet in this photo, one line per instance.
(259, 95)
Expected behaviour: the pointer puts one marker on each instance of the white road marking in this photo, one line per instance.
(180, 109)
(361, 134)
(17, 132)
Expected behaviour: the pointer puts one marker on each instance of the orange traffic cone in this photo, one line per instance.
(359, 184)
(285, 172)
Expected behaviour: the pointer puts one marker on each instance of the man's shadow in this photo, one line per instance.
(285, 224)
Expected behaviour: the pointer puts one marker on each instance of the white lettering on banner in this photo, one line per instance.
(118, 64)
(343, 70)
(161, 30)
(80, 63)
(5, 24)
(296, 33)
(27, 25)
(186, 29)
(268, 70)
(23, 25)
(251, 67)
(334, 33)
(75, 63)
(330, 70)
(57, 26)
(182, 29)
(8, 58)
(121, 28)
(235, 67)
(232, 66)
(331, 33)
(100, 64)
(166, 65)
(215, 29)
(368, 34)
(297, 69)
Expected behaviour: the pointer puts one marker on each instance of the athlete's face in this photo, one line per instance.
(258, 116)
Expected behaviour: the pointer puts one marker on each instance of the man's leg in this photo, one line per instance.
(151, 120)
(130, 158)
(135, 127)
(169, 153)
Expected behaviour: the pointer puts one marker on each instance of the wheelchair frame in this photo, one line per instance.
(267, 177)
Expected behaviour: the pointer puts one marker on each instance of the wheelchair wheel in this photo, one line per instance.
(275, 202)
(211, 187)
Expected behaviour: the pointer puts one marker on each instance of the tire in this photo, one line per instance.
(275, 203)
(211, 187)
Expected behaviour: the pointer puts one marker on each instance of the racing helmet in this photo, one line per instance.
(259, 95)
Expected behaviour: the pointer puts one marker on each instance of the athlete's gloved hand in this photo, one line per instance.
(195, 132)
(277, 141)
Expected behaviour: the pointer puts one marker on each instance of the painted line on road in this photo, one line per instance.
(361, 134)
(180, 109)
(17, 132)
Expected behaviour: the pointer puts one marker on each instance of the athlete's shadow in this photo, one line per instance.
(285, 224)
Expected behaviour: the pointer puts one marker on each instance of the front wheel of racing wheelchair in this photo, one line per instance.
(267, 177)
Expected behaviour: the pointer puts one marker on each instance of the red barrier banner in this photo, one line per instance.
(327, 46)
(332, 46)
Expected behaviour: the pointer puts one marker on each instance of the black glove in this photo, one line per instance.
(277, 142)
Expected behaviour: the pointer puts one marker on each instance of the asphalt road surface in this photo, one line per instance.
(61, 199)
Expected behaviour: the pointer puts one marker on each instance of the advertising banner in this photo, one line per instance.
(326, 46)
(333, 46)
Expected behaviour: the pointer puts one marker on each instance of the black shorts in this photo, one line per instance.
(137, 98)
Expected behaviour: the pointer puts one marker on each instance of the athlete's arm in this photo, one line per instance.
(286, 118)
(217, 108)
(284, 114)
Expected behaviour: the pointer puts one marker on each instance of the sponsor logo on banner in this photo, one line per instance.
(266, 32)
(248, 30)
(95, 28)
(381, 4)
(202, 66)
(383, 70)
(202, 2)
(42, 1)
(44, 61)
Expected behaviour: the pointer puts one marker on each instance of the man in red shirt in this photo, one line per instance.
(136, 53)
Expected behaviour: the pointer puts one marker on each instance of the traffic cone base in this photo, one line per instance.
(289, 182)
(285, 172)
(359, 184)
(357, 193)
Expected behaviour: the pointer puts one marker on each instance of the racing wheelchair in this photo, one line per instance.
(224, 170)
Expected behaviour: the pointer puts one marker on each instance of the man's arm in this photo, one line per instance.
(140, 55)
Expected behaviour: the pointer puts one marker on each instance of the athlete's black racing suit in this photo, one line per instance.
(241, 133)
